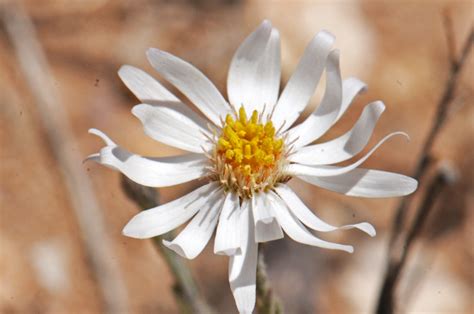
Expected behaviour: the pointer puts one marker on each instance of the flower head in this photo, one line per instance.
(248, 156)
(246, 150)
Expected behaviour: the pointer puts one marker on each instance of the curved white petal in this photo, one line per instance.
(344, 147)
(192, 83)
(266, 224)
(174, 124)
(227, 240)
(144, 86)
(194, 237)
(366, 183)
(243, 267)
(161, 219)
(295, 230)
(351, 87)
(107, 140)
(254, 74)
(327, 171)
(306, 216)
(302, 83)
(154, 172)
(327, 112)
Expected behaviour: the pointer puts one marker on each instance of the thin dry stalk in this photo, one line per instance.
(400, 242)
(267, 302)
(444, 177)
(35, 68)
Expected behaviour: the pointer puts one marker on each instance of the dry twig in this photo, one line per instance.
(35, 68)
(400, 243)
(444, 176)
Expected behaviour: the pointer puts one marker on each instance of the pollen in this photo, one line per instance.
(248, 154)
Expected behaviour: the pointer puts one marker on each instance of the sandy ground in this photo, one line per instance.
(397, 47)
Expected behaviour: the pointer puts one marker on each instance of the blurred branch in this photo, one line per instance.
(446, 175)
(185, 289)
(29, 52)
(449, 33)
(400, 242)
(267, 302)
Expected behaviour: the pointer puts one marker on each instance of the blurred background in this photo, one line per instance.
(398, 47)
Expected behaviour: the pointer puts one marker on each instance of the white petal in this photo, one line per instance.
(326, 113)
(344, 147)
(161, 219)
(254, 73)
(266, 224)
(351, 87)
(243, 267)
(306, 216)
(267, 84)
(269, 73)
(174, 124)
(366, 183)
(143, 86)
(261, 209)
(295, 230)
(227, 240)
(246, 228)
(265, 232)
(149, 171)
(327, 171)
(191, 82)
(194, 237)
(302, 84)
(103, 136)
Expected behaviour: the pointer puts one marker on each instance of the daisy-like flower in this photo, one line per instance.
(246, 150)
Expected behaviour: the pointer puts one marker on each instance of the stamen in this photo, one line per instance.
(212, 140)
(248, 155)
(260, 117)
(281, 127)
(271, 112)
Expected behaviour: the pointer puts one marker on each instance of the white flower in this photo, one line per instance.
(247, 150)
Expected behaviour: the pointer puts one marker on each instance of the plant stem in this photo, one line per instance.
(267, 302)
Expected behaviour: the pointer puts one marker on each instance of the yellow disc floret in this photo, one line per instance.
(248, 154)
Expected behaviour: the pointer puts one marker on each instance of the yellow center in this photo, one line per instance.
(248, 154)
